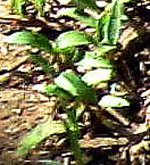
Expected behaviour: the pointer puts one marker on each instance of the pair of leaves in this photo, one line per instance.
(74, 85)
(64, 41)
(69, 82)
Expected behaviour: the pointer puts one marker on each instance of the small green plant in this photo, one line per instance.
(70, 86)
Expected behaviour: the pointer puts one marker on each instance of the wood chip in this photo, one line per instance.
(103, 142)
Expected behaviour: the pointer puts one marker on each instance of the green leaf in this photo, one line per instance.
(82, 17)
(38, 134)
(103, 50)
(97, 76)
(91, 60)
(115, 21)
(63, 83)
(110, 23)
(71, 83)
(110, 101)
(72, 39)
(29, 38)
(17, 5)
(54, 90)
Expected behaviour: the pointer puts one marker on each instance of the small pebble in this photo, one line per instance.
(16, 111)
